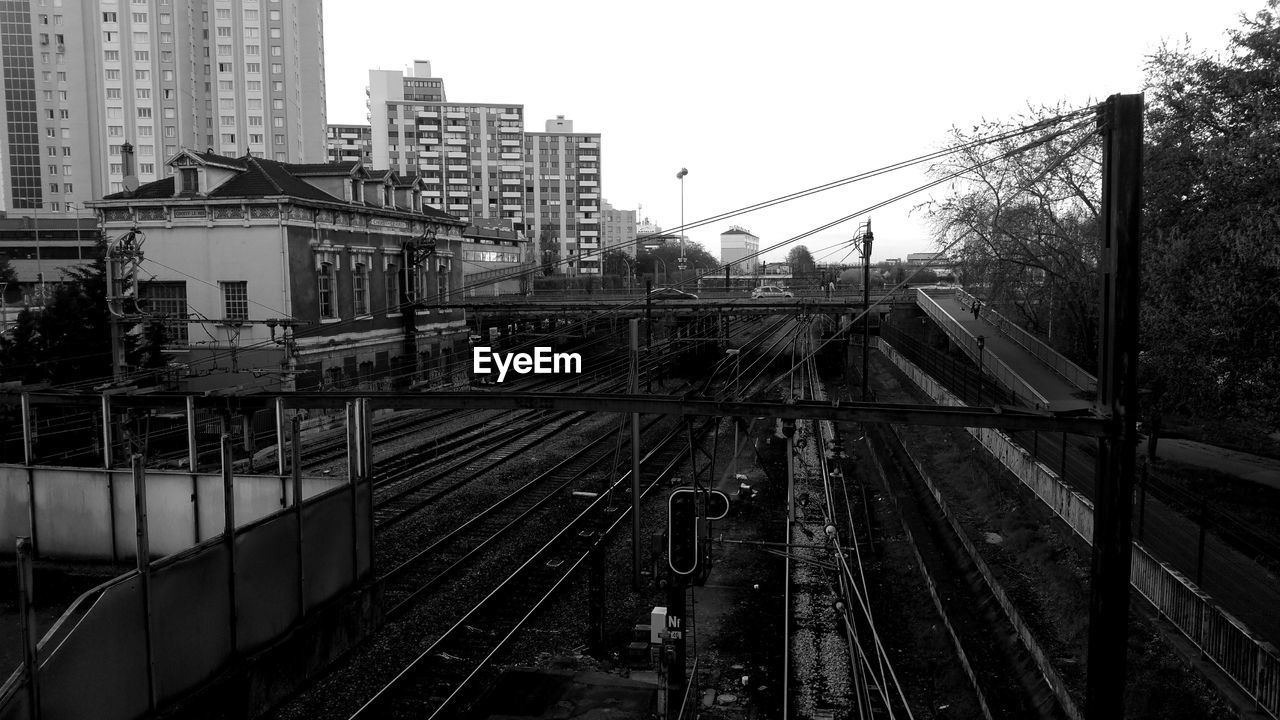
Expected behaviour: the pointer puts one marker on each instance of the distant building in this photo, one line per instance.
(478, 162)
(41, 248)
(563, 168)
(470, 155)
(497, 260)
(619, 229)
(927, 259)
(345, 143)
(740, 247)
(295, 276)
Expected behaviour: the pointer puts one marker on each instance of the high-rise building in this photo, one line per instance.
(562, 211)
(478, 163)
(469, 155)
(739, 247)
(619, 229)
(349, 142)
(82, 78)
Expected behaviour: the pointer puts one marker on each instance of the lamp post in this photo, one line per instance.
(71, 207)
(664, 268)
(867, 237)
(680, 176)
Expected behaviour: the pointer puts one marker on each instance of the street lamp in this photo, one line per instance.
(680, 176)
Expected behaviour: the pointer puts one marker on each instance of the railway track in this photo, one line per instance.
(441, 680)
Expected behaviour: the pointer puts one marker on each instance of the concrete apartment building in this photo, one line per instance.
(82, 78)
(469, 155)
(345, 143)
(739, 246)
(477, 162)
(619, 229)
(562, 201)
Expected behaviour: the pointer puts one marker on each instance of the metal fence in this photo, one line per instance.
(143, 640)
(1073, 373)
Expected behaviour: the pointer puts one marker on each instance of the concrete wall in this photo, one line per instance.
(83, 513)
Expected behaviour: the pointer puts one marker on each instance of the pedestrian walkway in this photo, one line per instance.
(1061, 395)
(1246, 466)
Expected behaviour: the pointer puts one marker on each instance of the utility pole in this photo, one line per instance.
(124, 255)
(867, 237)
(1120, 123)
(635, 456)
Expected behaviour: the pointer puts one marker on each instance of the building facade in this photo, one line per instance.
(738, 249)
(496, 260)
(295, 276)
(619, 229)
(82, 78)
(562, 201)
(345, 143)
(469, 155)
(479, 163)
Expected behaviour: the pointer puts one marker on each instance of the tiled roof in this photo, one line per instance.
(328, 169)
(259, 177)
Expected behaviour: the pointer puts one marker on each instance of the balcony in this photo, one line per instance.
(512, 168)
(588, 196)
(510, 156)
(429, 168)
(588, 146)
(511, 181)
(509, 116)
(455, 141)
(459, 166)
(589, 234)
(428, 114)
(512, 194)
(456, 128)
(513, 207)
(456, 115)
(510, 143)
(588, 183)
(588, 208)
(456, 154)
(458, 181)
(588, 171)
(588, 158)
(459, 194)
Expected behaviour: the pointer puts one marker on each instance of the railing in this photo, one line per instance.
(985, 358)
(1073, 373)
(1250, 661)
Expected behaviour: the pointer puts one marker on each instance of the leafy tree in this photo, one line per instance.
(8, 279)
(667, 256)
(801, 261)
(1022, 217)
(1211, 252)
(68, 340)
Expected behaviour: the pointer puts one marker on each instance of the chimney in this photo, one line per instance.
(130, 175)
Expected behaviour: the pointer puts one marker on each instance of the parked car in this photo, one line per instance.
(670, 293)
(770, 291)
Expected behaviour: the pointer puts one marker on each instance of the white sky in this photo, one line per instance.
(759, 100)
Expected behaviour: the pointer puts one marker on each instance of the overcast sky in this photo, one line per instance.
(759, 100)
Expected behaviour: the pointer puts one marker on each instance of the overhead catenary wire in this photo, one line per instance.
(328, 328)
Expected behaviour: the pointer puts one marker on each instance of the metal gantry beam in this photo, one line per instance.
(863, 412)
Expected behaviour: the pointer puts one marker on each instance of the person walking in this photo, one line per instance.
(975, 308)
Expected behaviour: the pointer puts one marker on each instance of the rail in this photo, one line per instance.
(1251, 662)
(1022, 389)
(1070, 371)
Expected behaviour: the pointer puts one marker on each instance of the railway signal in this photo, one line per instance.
(688, 510)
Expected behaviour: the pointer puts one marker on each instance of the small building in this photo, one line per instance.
(739, 249)
(281, 276)
(40, 248)
(497, 259)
